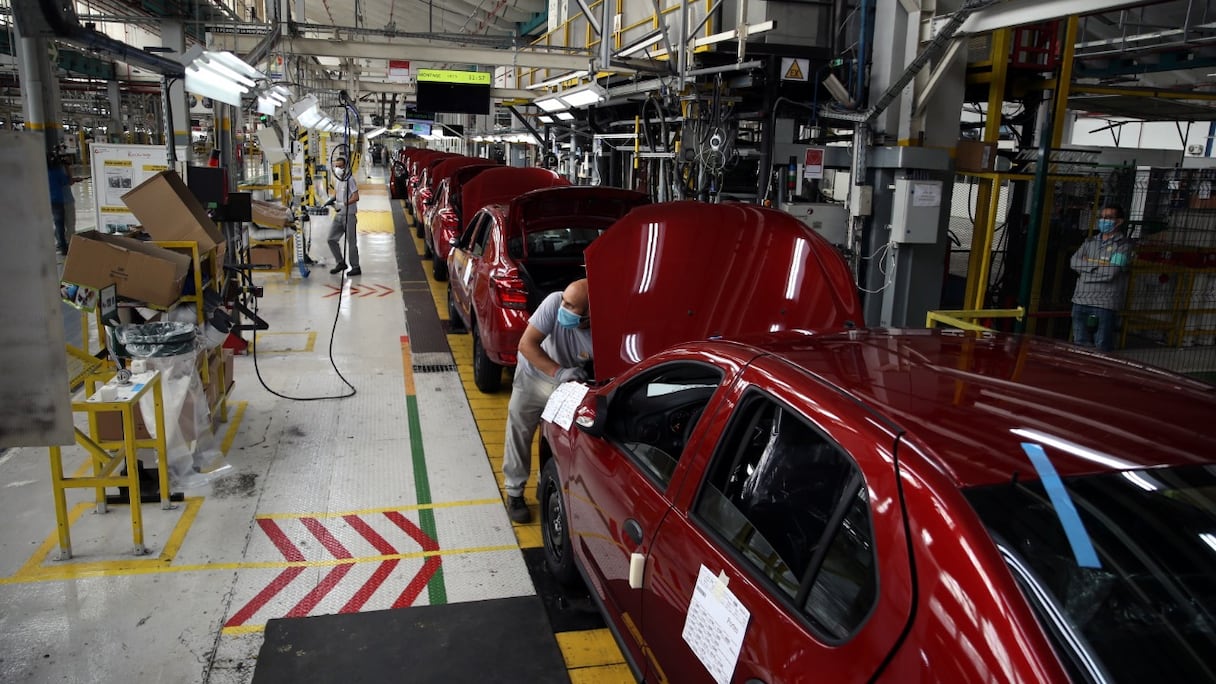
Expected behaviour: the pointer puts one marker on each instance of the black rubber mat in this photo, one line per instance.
(570, 609)
(427, 333)
(503, 640)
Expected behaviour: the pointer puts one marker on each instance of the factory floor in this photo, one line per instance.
(361, 539)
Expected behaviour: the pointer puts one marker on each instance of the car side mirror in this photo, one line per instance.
(593, 419)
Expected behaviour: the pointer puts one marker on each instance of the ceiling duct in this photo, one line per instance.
(57, 19)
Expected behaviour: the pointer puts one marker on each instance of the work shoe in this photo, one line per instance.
(517, 510)
(338, 269)
(355, 272)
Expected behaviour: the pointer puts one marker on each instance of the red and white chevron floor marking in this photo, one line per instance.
(311, 545)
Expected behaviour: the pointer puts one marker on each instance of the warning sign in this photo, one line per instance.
(795, 69)
(399, 71)
(813, 165)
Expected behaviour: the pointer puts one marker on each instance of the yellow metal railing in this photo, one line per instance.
(964, 319)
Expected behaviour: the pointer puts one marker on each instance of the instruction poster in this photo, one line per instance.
(116, 169)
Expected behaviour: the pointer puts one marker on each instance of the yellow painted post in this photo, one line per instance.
(994, 199)
(985, 214)
(162, 450)
(1063, 83)
(61, 504)
(128, 439)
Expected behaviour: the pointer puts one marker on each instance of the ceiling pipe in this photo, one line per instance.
(50, 19)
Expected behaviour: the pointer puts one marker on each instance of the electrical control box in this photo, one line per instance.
(829, 220)
(916, 211)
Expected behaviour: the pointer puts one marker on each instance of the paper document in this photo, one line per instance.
(563, 402)
(715, 625)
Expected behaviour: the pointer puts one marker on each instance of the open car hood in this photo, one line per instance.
(499, 186)
(682, 271)
(449, 167)
(597, 206)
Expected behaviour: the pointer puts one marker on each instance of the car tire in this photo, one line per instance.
(487, 375)
(455, 322)
(427, 252)
(419, 229)
(439, 268)
(555, 526)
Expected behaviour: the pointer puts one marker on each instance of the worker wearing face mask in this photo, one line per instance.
(1101, 264)
(346, 202)
(555, 348)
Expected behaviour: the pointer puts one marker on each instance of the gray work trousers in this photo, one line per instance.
(345, 225)
(529, 394)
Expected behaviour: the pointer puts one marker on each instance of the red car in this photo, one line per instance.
(440, 221)
(513, 255)
(759, 491)
(421, 191)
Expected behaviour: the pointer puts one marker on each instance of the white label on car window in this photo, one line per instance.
(715, 625)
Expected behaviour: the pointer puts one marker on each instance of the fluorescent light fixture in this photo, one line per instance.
(641, 44)
(376, 132)
(234, 63)
(551, 104)
(559, 79)
(545, 119)
(311, 118)
(585, 96)
(304, 104)
(267, 105)
(230, 74)
(212, 85)
(565, 116)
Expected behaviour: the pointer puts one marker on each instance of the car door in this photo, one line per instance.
(620, 485)
(463, 258)
(769, 567)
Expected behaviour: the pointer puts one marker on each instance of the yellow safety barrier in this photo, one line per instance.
(964, 318)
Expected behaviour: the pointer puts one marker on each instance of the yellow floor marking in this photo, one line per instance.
(310, 342)
(234, 425)
(243, 629)
(110, 568)
(376, 222)
(602, 674)
(375, 511)
(588, 648)
(34, 570)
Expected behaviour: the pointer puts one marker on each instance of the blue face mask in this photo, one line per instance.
(567, 318)
(1106, 225)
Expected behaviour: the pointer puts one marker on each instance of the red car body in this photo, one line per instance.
(934, 558)
(512, 255)
(440, 222)
(420, 190)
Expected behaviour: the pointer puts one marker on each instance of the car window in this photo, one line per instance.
(652, 416)
(1143, 606)
(483, 235)
(793, 504)
(554, 243)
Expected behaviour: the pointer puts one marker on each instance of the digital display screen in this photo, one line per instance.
(420, 128)
(453, 98)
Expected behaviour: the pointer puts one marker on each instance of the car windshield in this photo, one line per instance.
(1147, 612)
(556, 243)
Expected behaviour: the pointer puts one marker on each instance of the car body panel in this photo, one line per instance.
(472, 275)
(500, 186)
(694, 271)
(442, 219)
(926, 416)
(422, 184)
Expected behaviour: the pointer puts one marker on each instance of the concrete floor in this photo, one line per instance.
(387, 499)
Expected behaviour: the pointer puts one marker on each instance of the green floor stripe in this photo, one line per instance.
(422, 486)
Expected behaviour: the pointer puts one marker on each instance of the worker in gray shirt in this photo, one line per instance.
(555, 348)
(1101, 264)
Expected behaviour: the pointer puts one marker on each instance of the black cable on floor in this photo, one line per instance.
(337, 151)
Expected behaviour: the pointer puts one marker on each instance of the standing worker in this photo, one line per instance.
(1101, 265)
(346, 202)
(554, 349)
(63, 203)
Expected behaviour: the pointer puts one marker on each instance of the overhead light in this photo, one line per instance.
(219, 75)
(545, 119)
(212, 85)
(565, 116)
(641, 44)
(585, 96)
(376, 132)
(551, 104)
(558, 79)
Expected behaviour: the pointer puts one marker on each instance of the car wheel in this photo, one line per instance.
(427, 252)
(419, 229)
(455, 322)
(487, 375)
(439, 268)
(555, 526)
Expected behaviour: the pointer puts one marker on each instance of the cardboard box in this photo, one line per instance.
(140, 270)
(169, 211)
(270, 214)
(266, 255)
(109, 426)
(972, 155)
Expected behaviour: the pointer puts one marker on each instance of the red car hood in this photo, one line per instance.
(448, 167)
(499, 186)
(683, 271)
(573, 201)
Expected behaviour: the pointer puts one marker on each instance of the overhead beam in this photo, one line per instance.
(317, 47)
(1019, 12)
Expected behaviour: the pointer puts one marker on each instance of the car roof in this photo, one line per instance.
(970, 400)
